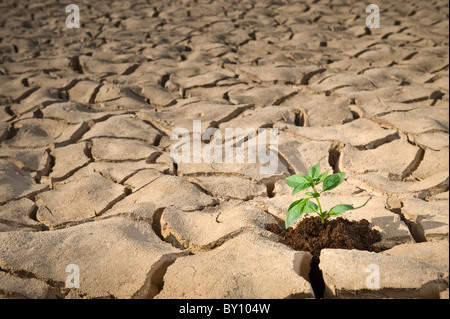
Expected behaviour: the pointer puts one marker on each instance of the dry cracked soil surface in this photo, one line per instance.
(92, 204)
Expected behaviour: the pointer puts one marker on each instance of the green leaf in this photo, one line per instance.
(301, 187)
(314, 195)
(295, 211)
(310, 208)
(295, 180)
(339, 209)
(333, 181)
(314, 172)
(322, 177)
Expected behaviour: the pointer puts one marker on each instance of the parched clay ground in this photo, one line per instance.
(86, 179)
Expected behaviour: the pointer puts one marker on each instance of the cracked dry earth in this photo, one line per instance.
(86, 176)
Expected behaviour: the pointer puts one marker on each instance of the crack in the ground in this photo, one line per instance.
(154, 283)
(201, 188)
(56, 288)
(335, 156)
(415, 163)
(417, 232)
(300, 117)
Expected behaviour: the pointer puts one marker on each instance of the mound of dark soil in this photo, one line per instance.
(313, 236)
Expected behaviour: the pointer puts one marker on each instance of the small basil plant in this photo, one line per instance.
(301, 182)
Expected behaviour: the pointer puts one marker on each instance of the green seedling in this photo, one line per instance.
(301, 182)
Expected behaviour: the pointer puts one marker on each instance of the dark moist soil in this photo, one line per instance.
(313, 236)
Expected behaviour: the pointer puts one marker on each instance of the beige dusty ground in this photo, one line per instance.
(86, 177)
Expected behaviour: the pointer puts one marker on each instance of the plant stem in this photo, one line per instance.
(318, 203)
